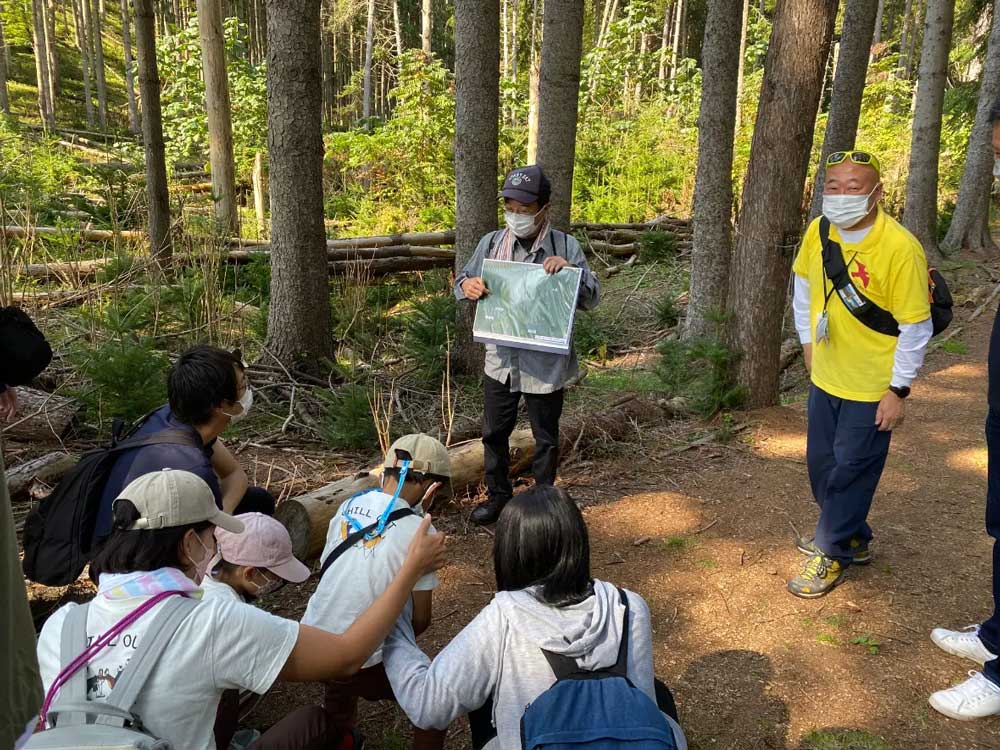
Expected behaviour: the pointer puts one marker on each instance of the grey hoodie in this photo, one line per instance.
(499, 655)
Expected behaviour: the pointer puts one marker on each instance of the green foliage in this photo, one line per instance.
(126, 379)
(667, 313)
(701, 371)
(591, 335)
(954, 346)
(429, 331)
(185, 122)
(658, 245)
(347, 422)
(843, 739)
(869, 643)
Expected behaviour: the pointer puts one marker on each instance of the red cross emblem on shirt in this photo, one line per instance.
(861, 273)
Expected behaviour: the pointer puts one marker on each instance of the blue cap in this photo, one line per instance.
(527, 185)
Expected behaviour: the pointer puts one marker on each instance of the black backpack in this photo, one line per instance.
(59, 531)
(866, 311)
(25, 351)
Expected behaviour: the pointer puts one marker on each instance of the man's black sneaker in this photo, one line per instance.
(487, 513)
(861, 549)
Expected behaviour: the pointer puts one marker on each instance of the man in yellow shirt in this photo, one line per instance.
(860, 376)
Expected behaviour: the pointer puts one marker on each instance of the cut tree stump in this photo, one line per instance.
(307, 516)
(40, 416)
(49, 468)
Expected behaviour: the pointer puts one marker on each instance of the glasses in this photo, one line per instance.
(857, 157)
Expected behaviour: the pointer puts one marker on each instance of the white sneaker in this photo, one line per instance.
(964, 643)
(975, 698)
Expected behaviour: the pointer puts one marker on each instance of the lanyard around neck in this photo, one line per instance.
(384, 518)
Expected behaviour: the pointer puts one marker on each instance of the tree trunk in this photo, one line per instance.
(51, 54)
(366, 104)
(848, 87)
(133, 107)
(679, 9)
(742, 65)
(41, 64)
(299, 326)
(661, 74)
(219, 111)
(879, 14)
(397, 28)
(152, 132)
(970, 222)
(84, 47)
(4, 48)
(477, 112)
(904, 40)
(260, 194)
(920, 214)
(770, 218)
(713, 187)
(427, 25)
(4, 62)
(558, 101)
(643, 49)
(534, 74)
(102, 88)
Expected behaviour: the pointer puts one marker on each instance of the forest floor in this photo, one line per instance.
(706, 537)
(703, 529)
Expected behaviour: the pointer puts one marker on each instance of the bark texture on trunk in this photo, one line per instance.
(299, 326)
(770, 219)
(51, 53)
(427, 25)
(879, 14)
(477, 113)
(96, 27)
(738, 119)
(848, 87)
(366, 104)
(970, 222)
(133, 107)
(558, 101)
(920, 213)
(4, 60)
(905, 41)
(152, 132)
(219, 111)
(713, 187)
(45, 108)
(83, 43)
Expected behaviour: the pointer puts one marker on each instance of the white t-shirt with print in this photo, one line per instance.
(218, 590)
(366, 570)
(223, 644)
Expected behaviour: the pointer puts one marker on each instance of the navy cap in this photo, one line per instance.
(527, 185)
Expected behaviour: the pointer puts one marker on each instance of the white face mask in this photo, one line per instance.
(844, 211)
(996, 168)
(246, 401)
(522, 225)
(205, 564)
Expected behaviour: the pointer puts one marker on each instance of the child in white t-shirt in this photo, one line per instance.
(416, 467)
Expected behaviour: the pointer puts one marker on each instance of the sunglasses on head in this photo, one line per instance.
(857, 157)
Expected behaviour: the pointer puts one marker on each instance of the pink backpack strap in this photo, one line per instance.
(98, 645)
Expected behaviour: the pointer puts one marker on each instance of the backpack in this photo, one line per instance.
(25, 351)
(59, 531)
(80, 724)
(595, 709)
(866, 311)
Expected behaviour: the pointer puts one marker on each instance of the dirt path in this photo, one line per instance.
(706, 537)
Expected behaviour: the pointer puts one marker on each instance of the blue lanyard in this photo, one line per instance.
(382, 519)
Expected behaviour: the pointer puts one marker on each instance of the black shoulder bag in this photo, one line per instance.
(866, 311)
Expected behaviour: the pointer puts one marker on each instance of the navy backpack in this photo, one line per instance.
(594, 709)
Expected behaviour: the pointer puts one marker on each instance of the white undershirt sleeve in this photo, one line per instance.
(800, 308)
(910, 350)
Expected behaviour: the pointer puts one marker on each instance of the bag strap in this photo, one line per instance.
(354, 538)
(861, 307)
(171, 437)
(74, 642)
(563, 666)
(151, 648)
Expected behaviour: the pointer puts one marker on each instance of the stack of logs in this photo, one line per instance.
(360, 256)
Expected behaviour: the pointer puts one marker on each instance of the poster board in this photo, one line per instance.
(527, 308)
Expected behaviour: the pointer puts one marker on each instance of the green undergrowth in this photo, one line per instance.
(843, 739)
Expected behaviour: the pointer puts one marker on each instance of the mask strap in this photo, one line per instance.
(384, 518)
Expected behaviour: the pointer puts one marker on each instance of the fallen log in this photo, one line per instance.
(84, 233)
(432, 239)
(49, 468)
(307, 516)
(41, 416)
(619, 251)
(364, 253)
(637, 226)
(73, 270)
(386, 266)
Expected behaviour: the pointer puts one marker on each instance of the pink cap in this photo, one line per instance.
(264, 543)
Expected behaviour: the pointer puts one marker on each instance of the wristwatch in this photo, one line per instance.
(901, 391)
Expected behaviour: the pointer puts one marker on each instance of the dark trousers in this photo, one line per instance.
(305, 729)
(846, 454)
(372, 684)
(256, 500)
(499, 419)
(481, 720)
(989, 632)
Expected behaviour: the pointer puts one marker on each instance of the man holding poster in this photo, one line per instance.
(513, 371)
